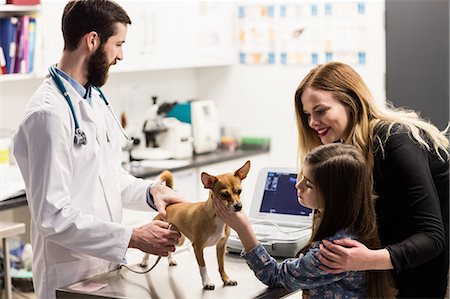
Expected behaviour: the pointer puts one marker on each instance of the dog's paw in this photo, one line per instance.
(144, 264)
(230, 282)
(208, 286)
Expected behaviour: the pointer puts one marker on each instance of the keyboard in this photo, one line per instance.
(267, 229)
(276, 242)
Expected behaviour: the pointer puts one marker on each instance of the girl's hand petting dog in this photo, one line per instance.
(237, 221)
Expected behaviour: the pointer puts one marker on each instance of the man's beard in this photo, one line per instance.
(98, 67)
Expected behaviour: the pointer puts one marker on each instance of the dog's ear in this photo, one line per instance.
(242, 172)
(208, 180)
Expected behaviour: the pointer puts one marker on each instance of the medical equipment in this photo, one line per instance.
(281, 225)
(80, 137)
(204, 118)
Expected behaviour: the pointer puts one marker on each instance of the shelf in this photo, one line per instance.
(16, 77)
(19, 8)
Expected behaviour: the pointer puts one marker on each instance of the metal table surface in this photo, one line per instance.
(181, 281)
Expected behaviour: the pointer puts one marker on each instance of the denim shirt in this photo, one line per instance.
(304, 273)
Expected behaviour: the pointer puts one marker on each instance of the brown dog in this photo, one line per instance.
(199, 222)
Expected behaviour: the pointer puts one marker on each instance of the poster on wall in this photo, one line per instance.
(257, 34)
(305, 33)
(299, 32)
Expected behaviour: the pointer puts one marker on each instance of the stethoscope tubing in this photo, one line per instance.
(80, 136)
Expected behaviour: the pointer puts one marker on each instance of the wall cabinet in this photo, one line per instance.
(177, 35)
(163, 35)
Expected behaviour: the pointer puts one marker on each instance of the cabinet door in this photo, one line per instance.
(208, 33)
(50, 34)
(166, 35)
(136, 49)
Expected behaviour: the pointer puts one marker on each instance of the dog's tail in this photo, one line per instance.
(165, 177)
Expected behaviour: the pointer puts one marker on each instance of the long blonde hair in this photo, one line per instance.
(347, 86)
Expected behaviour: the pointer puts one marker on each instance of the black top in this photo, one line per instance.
(413, 213)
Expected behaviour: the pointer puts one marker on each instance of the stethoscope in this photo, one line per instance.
(80, 136)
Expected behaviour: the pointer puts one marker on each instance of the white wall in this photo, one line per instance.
(126, 92)
(259, 101)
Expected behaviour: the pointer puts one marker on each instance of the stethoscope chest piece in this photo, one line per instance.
(80, 137)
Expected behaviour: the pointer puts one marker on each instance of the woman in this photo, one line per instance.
(334, 177)
(409, 160)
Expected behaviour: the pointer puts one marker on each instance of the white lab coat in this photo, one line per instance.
(75, 193)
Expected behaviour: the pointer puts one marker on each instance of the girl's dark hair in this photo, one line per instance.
(343, 183)
(83, 16)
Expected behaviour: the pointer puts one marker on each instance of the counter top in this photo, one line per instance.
(9, 229)
(198, 161)
(146, 172)
(181, 281)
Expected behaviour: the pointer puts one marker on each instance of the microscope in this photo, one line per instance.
(161, 137)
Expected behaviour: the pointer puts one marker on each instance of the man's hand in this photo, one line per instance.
(164, 196)
(350, 255)
(154, 238)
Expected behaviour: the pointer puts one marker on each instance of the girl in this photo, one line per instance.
(336, 183)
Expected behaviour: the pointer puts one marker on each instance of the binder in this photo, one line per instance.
(24, 47)
(8, 28)
(2, 61)
(23, 2)
(31, 44)
(16, 61)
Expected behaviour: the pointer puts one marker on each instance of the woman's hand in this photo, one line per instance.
(350, 255)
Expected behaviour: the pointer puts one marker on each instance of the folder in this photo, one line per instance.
(2, 61)
(31, 44)
(8, 28)
(17, 60)
(23, 57)
(23, 2)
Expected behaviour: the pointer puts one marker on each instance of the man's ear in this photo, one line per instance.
(92, 40)
(208, 180)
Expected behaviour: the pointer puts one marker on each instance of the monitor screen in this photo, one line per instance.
(280, 195)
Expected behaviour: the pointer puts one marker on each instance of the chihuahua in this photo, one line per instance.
(199, 222)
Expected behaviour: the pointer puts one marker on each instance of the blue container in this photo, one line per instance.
(182, 112)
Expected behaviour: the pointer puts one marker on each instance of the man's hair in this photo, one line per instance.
(83, 16)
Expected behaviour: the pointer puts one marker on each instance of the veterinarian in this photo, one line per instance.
(409, 160)
(68, 148)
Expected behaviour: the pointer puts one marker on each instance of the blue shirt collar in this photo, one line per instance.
(85, 93)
